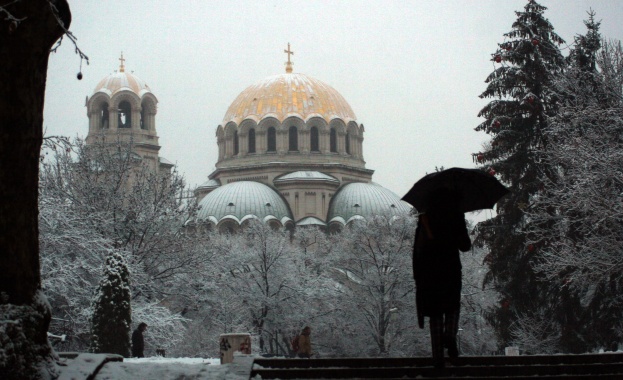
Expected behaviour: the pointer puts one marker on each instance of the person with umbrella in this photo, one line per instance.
(442, 198)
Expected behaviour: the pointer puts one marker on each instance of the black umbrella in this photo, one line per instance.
(476, 189)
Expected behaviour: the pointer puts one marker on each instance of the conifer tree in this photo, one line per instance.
(112, 317)
(521, 87)
(584, 53)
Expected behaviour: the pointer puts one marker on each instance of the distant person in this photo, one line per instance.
(304, 343)
(138, 342)
(437, 270)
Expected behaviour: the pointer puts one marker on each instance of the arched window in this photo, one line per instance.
(271, 135)
(293, 138)
(236, 147)
(333, 140)
(313, 139)
(143, 121)
(252, 140)
(104, 116)
(125, 115)
(347, 143)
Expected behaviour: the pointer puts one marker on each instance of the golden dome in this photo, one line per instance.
(286, 95)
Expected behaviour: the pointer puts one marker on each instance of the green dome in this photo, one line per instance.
(243, 200)
(363, 200)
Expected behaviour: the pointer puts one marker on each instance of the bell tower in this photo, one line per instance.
(123, 108)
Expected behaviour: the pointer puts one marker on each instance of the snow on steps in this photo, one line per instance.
(588, 366)
(84, 366)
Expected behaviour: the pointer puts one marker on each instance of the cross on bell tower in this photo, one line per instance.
(289, 63)
(121, 66)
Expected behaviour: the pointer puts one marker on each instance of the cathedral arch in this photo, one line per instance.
(236, 144)
(293, 127)
(353, 129)
(271, 139)
(314, 139)
(318, 122)
(339, 125)
(251, 141)
(127, 96)
(148, 112)
(293, 139)
(124, 114)
(333, 140)
(220, 133)
(230, 130)
(246, 125)
(228, 226)
(347, 142)
(98, 110)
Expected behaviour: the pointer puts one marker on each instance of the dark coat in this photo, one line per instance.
(436, 262)
(138, 343)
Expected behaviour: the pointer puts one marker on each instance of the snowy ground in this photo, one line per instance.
(167, 368)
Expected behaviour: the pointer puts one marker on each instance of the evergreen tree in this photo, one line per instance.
(521, 85)
(112, 317)
(584, 53)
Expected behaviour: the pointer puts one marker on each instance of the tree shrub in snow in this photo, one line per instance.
(112, 314)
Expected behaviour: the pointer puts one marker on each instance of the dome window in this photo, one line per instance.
(313, 137)
(125, 115)
(236, 145)
(251, 140)
(347, 143)
(267, 204)
(104, 116)
(333, 140)
(293, 137)
(272, 139)
(143, 123)
(356, 205)
(231, 204)
(392, 206)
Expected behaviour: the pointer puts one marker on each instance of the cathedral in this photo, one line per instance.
(290, 152)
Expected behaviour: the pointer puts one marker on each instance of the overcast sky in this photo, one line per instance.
(411, 70)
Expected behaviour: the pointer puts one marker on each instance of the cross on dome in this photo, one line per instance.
(121, 66)
(289, 63)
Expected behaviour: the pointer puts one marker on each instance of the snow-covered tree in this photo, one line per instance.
(476, 335)
(581, 205)
(258, 265)
(112, 313)
(377, 288)
(99, 198)
(521, 85)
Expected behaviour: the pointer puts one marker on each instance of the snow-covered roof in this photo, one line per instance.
(239, 201)
(362, 200)
(311, 176)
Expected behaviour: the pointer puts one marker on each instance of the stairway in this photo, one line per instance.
(587, 366)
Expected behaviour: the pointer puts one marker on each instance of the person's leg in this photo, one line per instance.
(451, 329)
(436, 338)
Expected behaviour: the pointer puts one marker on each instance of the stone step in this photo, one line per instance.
(599, 366)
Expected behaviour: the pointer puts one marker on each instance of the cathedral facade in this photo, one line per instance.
(290, 152)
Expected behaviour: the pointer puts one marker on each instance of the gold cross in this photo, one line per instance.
(121, 67)
(289, 63)
(289, 52)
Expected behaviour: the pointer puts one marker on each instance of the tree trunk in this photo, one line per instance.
(24, 51)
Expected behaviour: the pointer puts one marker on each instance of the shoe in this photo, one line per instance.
(453, 351)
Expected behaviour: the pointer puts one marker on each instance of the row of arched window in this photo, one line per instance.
(293, 141)
(100, 116)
